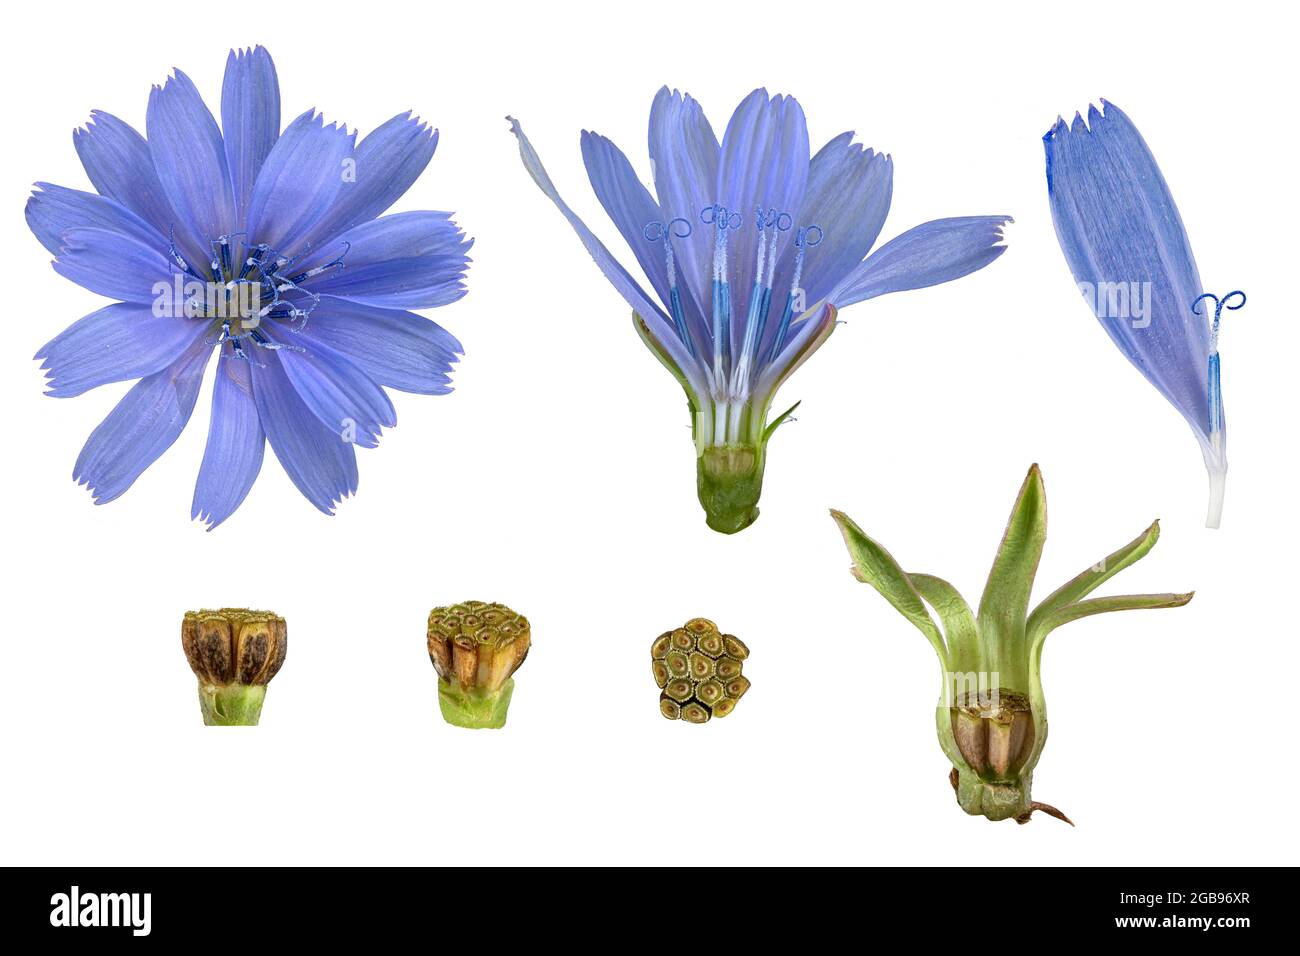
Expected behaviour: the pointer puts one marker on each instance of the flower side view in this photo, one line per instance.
(751, 248)
(1125, 243)
(992, 715)
(268, 247)
(234, 652)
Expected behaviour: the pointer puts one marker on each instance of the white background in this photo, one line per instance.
(559, 477)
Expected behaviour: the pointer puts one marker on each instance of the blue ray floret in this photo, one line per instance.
(1125, 243)
(270, 248)
(750, 247)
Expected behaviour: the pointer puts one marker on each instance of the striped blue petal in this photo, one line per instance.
(113, 265)
(250, 119)
(397, 349)
(925, 255)
(684, 157)
(1125, 244)
(118, 162)
(53, 211)
(764, 163)
(236, 444)
(143, 425)
(848, 196)
(190, 159)
(658, 325)
(635, 213)
(318, 460)
(387, 162)
(409, 260)
(299, 182)
(121, 342)
(339, 394)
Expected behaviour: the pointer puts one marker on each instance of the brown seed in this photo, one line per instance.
(695, 713)
(709, 692)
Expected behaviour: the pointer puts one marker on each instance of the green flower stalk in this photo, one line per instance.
(476, 648)
(992, 716)
(234, 652)
(698, 670)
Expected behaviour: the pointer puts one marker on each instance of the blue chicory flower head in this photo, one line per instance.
(267, 247)
(1125, 243)
(751, 247)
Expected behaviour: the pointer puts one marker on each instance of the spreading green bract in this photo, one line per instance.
(992, 717)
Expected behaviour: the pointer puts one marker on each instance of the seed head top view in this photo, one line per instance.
(268, 247)
(751, 248)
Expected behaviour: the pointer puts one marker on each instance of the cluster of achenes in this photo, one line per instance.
(698, 670)
(476, 647)
(234, 652)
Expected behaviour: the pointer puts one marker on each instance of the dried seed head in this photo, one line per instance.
(995, 735)
(234, 645)
(698, 671)
(477, 645)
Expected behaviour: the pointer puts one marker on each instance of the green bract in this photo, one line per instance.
(991, 716)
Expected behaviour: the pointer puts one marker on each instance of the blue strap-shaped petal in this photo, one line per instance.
(388, 162)
(317, 460)
(925, 255)
(848, 195)
(631, 207)
(298, 183)
(684, 152)
(53, 211)
(236, 445)
(1126, 246)
(119, 343)
(119, 164)
(143, 425)
(409, 260)
(190, 159)
(657, 323)
(250, 119)
(764, 162)
(397, 349)
(339, 394)
(113, 265)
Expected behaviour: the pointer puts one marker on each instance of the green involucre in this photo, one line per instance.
(991, 717)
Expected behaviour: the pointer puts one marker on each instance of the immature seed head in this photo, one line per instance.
(996, 735)
(698, 671)
(234, 645)
(477, 645)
